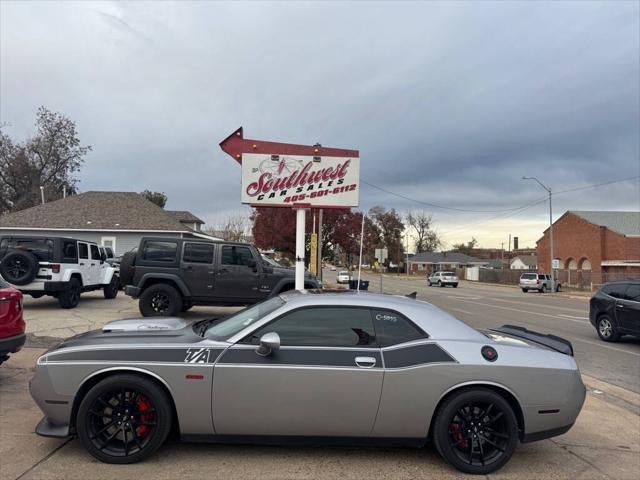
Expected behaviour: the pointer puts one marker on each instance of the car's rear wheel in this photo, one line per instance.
(70, 297)
(524, 290)
(455, 285)
(476, 431)
(160, 300)
(543, 288)
(607, 329)
(111, 291)
(124, 419)
(440, 284)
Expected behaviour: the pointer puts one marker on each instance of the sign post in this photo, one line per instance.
(295, 176)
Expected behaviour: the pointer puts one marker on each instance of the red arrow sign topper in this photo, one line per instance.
(235, 145)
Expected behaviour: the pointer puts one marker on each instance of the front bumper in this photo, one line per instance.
(11, 344)
(47, 428)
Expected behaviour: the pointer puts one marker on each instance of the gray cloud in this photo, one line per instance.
(448, 102)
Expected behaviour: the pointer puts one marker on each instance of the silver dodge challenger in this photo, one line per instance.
(326, 368)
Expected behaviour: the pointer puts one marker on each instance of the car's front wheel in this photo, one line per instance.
(476, 431)
(160, 300)
(607, 329)
(524, 290)
(124, 419)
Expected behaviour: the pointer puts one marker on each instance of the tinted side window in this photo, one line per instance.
(324, 327)
(83, 250)
(235, 255)
(198, 253)
(632, 293)
(393, 328)
(95, 252)
(616, 291)
(159, 251)
(69, 251)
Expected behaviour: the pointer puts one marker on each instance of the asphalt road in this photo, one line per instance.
(487, 306)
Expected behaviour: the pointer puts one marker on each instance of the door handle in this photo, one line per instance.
(82, 264)
(366, 362)
(223, 270)
(620, 306)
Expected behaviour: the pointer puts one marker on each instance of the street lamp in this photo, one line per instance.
(553, 279)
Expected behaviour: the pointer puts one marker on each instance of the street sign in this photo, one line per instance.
(555, 264)
(381, 254)
(287, 180)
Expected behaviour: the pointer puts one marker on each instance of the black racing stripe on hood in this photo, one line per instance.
(159, 355)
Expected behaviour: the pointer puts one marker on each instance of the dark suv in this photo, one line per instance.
(170, 275)
(615, 310)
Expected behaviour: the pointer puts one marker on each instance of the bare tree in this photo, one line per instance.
(233, 228)
(427, 239)
(159, 198)
(49, 159)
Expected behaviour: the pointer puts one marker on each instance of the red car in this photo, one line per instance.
(12, 324)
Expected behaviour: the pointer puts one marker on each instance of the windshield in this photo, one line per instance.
(271, 261)
(230, 326)
(448, 274)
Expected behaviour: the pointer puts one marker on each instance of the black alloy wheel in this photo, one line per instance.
(111, 291)
(19, 267)
(476, 431)
(70, 297)
(161, 300)
(124, 419)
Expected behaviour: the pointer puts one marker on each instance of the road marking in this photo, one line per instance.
(571, 316)
(464, 298)
(554, 316)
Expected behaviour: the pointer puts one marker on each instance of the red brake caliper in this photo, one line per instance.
(143, 406)
(457, 435)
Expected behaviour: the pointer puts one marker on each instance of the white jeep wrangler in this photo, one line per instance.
(56, 266)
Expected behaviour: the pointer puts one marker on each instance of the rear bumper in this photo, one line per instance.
(12, 344)
(554, 432)
(132, 291)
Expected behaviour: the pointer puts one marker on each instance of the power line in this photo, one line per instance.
(435, 205)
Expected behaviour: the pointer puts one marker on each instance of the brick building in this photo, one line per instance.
(593, 247)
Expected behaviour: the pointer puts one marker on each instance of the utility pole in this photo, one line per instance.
(553, 277)
(502, 253)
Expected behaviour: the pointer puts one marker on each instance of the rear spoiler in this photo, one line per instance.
(552, 341)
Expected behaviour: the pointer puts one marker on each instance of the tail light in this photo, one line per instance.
(55, 268)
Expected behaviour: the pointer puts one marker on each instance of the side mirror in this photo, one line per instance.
(252, 264)
(103, 257)
(269, 343)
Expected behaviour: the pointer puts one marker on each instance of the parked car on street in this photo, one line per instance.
(12, 326)
(56, 266)
(310, 367)
(442, 279)
(614, 310)
(171, 275)
(343, 277)
(539, 282)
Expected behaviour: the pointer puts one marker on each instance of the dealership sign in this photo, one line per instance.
(289, 180)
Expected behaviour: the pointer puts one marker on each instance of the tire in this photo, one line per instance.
(454, 435)
(70, 297)
(160, 300)
(126, 268)
(455, 285)
(440, 284)
(19, 267)
(607, 329)
(524, 290)
(430, 284)
(117, 397)
(111, 291)
(543, 288)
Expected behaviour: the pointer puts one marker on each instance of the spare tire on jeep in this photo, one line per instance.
(127, 268)
(19, 267)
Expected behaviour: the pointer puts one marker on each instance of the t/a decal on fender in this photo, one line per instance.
(197, 355)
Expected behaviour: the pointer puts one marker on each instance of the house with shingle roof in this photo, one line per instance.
(116, 219)
(428, 262)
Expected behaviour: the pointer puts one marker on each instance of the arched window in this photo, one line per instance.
(572, 264)
(560, 264)
(585, 265)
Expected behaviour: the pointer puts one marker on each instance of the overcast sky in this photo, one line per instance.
(449, 103)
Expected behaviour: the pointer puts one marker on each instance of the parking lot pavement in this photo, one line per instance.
(604, 444)
(46, 321)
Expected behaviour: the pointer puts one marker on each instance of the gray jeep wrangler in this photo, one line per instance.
(170, 275)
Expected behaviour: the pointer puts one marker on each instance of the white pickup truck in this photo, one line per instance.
(56, 266)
